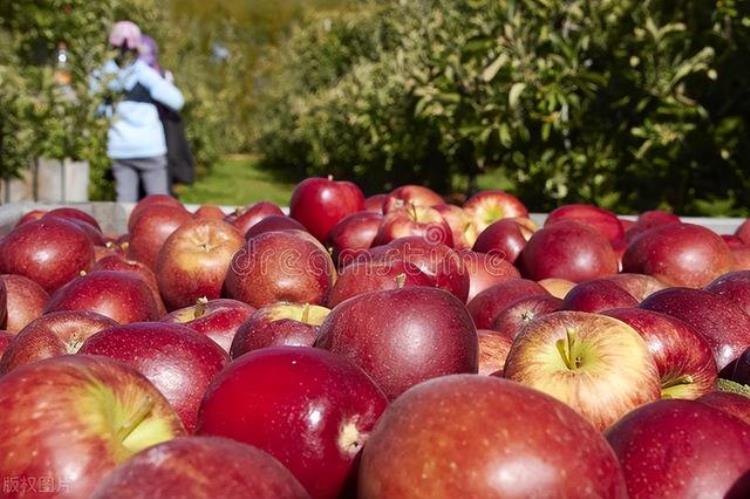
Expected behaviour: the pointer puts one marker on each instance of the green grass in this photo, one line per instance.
(236, 181)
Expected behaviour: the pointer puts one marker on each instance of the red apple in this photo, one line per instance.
(280, 324)
(120, 263)
(730, 403)
(26, 301)
(218, 319)
(603, 221)
(178, 361)
(743, 231)
(280, 266)
(121, 296)
(146, 203)
(597, 295)
(194, 261)
(320, 203)
(514, 317)
(249, 216)
(493, 350)
(314, 416)
(686, 364)
(434, 259)
(599, 366)
(679, 255)
(735, 286)
(741, 258)
(154, 225)
(682, 448)
(411, 195)
(368, 276)
(201, 467)
(402, 337)
(481, 436)
(715, 317)
(375, 202)
(49, 251)
(274, 223)
(505, 238)
(92, 230)
(5, 339)
(486, 270)
(568, 250)
(67, 422)
(463, 231)
(30, 216)
(52, 335)
(733, 241)
(352, 235)
(75, 214)
(414, 221)
(485, 307)
(210, 211)
(487, 207)
(639, 286)
(557, 287)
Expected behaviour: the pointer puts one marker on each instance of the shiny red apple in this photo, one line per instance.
(152, 228)
(603, 221)
(217, 319)
(25, 301)
(597, 295)
(411, 195)
(511, 320)
(485, 270)
(320, 203)
(485, 307)
(273, 223)
(352, 235)
(414, 221)
(251, 215)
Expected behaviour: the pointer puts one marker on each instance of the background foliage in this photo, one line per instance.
(626, 103)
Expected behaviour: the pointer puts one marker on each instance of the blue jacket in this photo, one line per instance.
(136, 130)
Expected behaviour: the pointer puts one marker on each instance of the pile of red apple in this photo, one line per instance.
(389, 347)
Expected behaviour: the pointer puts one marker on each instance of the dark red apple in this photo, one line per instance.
(715, 317)
(201, 467)
(280, 324)
(178, 361)
(684, 358)
(511, 320)
(121, 296)
(314, 416)
(147, 202)
(121, 263)
(485, 307)
(246, 218)
(434, 259)
(217, 319)
(154, 225)
(464, 232)
(493, 350)
(733, 241)
(603, 221)
(194, 261)
(49, 251)
(402, 337)
(320, 203)
(280, 266)
(30, 216)
(735, 286)
(93, 233)
(505, 238)
(368, 276)
(679, 255)
(210, 211)
(733, 404)
(682, 448)
(486, 270)
(26, 301)
(640, 286)
(481, 436)
(488, 207)
(375, 202)
(597, 295)
(273, 223)
(743, 231)
(52, 335)
(411, 195)
(352, 235)
(75, 214)
(568, 250)
(411, 221)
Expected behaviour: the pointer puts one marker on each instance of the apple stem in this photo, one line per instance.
(400, 280)
(565, 348)
(200, 307)
(143, 411)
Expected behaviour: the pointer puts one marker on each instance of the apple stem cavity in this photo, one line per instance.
(132, 423)
(566, 349)
(350, 439)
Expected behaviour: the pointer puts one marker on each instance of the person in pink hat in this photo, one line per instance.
(135, 140)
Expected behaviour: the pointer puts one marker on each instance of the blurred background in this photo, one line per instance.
(628, 104)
